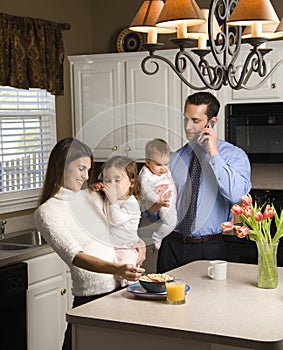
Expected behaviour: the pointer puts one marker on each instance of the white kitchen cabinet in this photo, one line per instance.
(272, 88)
(48, 299)
(117, 108)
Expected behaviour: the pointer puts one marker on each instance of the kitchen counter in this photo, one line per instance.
(8, 257)
(216, 315)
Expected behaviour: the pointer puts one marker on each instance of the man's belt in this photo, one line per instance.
(196, 239)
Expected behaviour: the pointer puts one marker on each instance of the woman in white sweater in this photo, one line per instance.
(72, 222)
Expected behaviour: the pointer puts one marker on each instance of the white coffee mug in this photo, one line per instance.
(217, 270)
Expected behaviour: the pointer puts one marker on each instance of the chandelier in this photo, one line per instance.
(210, 40)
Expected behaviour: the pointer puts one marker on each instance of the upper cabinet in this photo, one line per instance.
(117, 108)
(272, 88)
(98, 102)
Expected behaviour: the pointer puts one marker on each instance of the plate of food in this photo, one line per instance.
(152, 286)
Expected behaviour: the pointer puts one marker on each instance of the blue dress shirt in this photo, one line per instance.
(225, 178)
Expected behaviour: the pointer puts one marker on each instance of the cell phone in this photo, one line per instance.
(211, 124)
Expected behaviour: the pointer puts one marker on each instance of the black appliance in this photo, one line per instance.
(13, 325)
(242, 249)
(257, 128)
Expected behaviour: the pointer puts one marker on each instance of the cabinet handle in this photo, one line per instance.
(115, 148)
(63, 291)
(128, 148)
(273, 86)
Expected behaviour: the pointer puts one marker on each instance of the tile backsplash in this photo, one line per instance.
(19, 223)
(267, 176)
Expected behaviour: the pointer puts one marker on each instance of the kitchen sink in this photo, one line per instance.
(22, 240)
(14, 246)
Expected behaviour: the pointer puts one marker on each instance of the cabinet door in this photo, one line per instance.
(99, 103)
(154, 107)
(271, 89)
(70, 296)
(47, 305)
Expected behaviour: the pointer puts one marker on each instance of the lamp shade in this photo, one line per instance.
(175, 12)
(248, 12)
(195, 31)
(147, 16)
(279, 30)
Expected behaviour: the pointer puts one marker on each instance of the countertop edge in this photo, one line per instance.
(170, 333)
(7, 258)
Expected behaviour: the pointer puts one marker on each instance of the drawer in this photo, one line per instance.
(45, 266)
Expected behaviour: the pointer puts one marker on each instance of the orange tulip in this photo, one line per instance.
(242, 231)
(268, 212)
(227, 226)
(247, 199)
(237, 209)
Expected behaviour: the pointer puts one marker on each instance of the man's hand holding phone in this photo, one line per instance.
(208, 138)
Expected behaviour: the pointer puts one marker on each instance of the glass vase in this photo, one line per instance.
(267, 264)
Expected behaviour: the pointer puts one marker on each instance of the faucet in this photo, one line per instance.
(2, 224)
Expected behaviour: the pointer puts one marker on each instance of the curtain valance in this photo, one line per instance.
(31, 53)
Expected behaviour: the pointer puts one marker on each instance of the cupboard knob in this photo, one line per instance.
(273, 86)
(63, 291)
(152, 250)
(128, 148)
(115, 148)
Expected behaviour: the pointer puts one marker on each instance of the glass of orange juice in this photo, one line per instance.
(175, 290)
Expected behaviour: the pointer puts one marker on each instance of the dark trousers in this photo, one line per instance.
(67, 345)
(174, 253)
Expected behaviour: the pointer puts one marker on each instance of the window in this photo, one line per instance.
(27, 135)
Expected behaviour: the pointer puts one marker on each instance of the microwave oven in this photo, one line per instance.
(257, 128)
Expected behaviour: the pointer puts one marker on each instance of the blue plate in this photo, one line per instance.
(129, 41)
(140, 292)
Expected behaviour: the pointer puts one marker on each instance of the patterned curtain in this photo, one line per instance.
(31, 53)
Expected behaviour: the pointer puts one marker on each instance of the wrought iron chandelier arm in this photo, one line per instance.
(152, 60)
(254, 63)
(215, 75)
(268, 75)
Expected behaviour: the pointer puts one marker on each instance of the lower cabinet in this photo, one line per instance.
(48, 299)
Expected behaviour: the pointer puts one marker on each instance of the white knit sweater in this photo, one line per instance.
(72, 222)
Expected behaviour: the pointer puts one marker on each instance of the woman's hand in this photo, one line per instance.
(141, 248)
(98, 186)
(130, 272)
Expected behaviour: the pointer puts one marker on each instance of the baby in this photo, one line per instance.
(154, 173)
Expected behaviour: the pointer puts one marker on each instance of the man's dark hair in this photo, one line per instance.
(205, 98)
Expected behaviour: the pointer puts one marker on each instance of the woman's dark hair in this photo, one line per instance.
(63, 153)
(131, 169)
(205, 98)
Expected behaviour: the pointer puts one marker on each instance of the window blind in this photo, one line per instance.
(27, 134)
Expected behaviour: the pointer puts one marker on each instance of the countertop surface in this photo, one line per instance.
(8, 257)
(231, 309)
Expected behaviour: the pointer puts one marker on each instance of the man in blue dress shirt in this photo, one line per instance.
(224, 179)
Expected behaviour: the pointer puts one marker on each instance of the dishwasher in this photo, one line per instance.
(13, 325)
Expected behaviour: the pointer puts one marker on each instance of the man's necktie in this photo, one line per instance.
(190, 195)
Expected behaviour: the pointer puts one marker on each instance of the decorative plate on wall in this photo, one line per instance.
(129, 41)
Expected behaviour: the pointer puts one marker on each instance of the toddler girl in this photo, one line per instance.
(121, 185)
